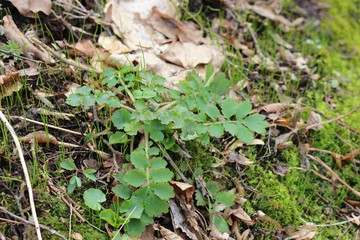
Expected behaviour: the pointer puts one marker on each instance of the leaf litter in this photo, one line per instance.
(151, 36)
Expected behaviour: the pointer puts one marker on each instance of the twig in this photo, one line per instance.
(342, 124)
(173, 165)
(334, 174)
(64, 59)
(26, 173)
(332, 224)
(32, 224)
(19, 56)
(333, 120)
(48, 125)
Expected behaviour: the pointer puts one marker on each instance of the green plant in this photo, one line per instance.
(10, 48)
(75, 181)
(196, 111)
(222, 200)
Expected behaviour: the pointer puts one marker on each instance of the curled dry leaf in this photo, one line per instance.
(304, 232)
(314, 118)
(340, 159)
(238, 158)
(281, 169)
(13, 33)
(167, 234)
(274, 108)
(29, 8)
(240, 214)
(180, 220)
(40, 137)
(353, 202)
(9, 84)
(183, 190)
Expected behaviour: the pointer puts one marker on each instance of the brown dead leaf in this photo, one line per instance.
(314, 118)
(13, 33)
(180, 217)
(343, 159)
(280, 169)
(167, 234)
(353, 202)
(240, 214)
(40, 137)
(274, 108)
(268, 13)
(238, 158)
(303, 232)
(9, 84)
(174, 29)
(188, 54)
(85, 47)
(183, 190)
(112, 44)
(29, 8)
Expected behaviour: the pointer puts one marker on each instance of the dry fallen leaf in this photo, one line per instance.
(167, 234)
(183, 190)
(9, 84)
(280, 169)
(238, 158)
(29, 8)
(188, 54)
(274, 108)
(40, 137)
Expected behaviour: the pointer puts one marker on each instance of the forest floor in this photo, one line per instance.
(180, 119)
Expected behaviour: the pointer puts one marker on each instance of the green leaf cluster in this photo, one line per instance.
(75, 181)
(197, 110)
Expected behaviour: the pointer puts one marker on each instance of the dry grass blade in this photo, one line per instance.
(26, 173)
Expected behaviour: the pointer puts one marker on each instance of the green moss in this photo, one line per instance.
(278, 203)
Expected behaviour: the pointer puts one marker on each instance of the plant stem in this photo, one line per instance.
(146, 135)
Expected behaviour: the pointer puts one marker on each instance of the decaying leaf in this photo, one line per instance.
(29, 8)
(180, 221)
(313, 119)
(166, 233)
(280, 169)
(42, 97)
(13, 33)
(274, 108)
(341, 159)
(303, 232)
(9, 84)
(183, 190)
(239, 213)
(85, 47)
(40, 137)
(188, 54)
(238, 158)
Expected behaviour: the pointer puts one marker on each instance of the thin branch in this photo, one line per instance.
(2, 209)
(357, 193)
(26, 173)
(333, 120)
(64, 59)
(48, 125)
(333, 224)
